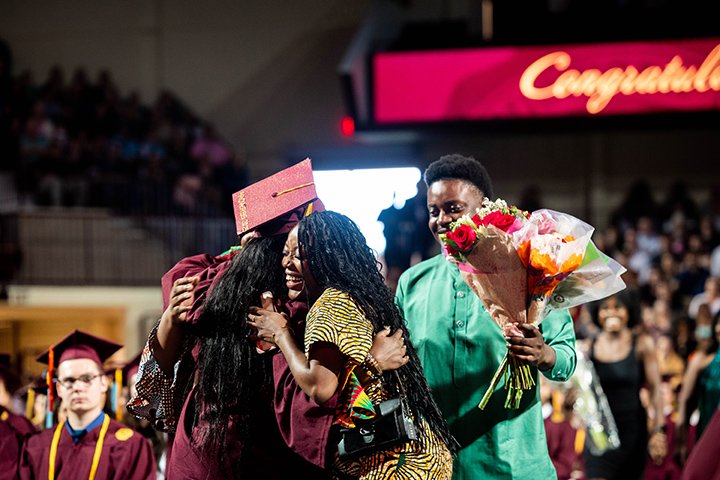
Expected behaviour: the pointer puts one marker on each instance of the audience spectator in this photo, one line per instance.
(670, 363)
(691, 276)
(679, 209)
(710, 296)
(701, 382)
(638, 202)
(84, 144)
(668, 468)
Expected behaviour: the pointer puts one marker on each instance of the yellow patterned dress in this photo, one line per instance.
(336, 319)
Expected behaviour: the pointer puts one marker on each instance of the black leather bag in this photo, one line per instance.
(391, 426)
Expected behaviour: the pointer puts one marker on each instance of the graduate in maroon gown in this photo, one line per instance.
(13, 428)
(9, 384)
(89, 444)
(703, 463)
(127, 391)
(10, 445)
(560, 433)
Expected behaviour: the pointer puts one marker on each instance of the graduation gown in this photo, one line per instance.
(704, 461)
(10, 443)
(13, 430)
(561, 447)
(304, 425)
(21, 425)
(125, 454)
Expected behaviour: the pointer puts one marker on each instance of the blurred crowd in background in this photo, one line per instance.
(71, 140)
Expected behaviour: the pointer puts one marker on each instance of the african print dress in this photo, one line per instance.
(336, 319)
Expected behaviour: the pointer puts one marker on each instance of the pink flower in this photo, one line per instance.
(545, 223)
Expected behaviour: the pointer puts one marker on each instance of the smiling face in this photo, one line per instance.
(447, 200)
(292, 263)
(82, 396)
(613, 315)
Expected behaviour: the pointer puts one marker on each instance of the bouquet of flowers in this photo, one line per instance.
(523, 265)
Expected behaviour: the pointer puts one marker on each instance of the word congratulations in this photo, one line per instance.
(600, 87)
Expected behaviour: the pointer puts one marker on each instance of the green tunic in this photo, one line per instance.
(460, 348)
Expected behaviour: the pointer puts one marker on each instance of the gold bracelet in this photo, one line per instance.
(373, 364)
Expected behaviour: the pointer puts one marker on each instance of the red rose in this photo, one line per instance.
(450, 250)
(463, 236)
(498, 219)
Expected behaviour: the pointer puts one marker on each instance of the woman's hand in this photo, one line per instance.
(182, 296)
(389, 350)
(526, 343)
(268, 324)
(167, 346)
(657, 447)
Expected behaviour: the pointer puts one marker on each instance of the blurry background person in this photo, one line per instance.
(624, 362)
(701, 382)
(13, 428)
(563, 437)
(156, 438)
(669, 467)
(9, 385)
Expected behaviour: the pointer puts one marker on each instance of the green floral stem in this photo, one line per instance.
(518, 378)
(521, 379)
(495, 380)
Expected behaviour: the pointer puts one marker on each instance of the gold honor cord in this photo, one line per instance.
(98, 448)
(292, 189)
(30, 404)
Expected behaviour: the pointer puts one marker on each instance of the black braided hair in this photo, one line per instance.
(232, 378)
(338, 257)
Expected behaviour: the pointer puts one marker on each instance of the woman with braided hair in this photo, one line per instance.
(328, 256)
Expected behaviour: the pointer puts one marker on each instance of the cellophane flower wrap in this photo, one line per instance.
(524, 265)
(592, 408)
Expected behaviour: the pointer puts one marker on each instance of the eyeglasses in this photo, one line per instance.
(84, 379)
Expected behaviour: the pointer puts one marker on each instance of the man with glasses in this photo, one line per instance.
(89, 444)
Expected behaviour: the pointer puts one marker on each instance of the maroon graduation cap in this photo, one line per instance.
(79, 344)
(274, 205)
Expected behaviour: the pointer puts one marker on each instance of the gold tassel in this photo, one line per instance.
(118, 395)
(30, 404)
(557, 413)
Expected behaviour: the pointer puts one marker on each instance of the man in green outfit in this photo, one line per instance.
(460, 346)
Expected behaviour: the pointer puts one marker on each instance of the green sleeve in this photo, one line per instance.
(400, 295)
(559, 332)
